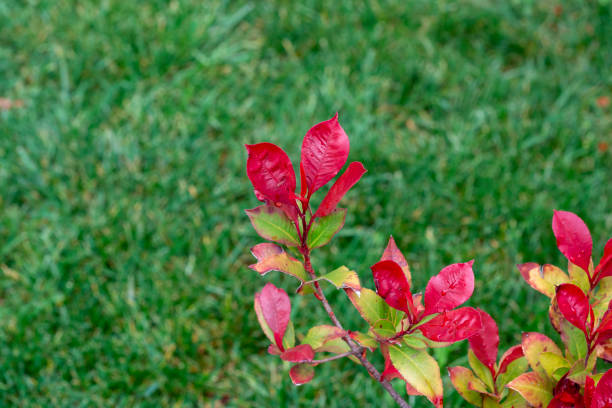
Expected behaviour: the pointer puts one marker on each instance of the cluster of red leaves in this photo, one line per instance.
(449, 289)
(325, 149)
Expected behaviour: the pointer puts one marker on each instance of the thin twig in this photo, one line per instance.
(353, 346)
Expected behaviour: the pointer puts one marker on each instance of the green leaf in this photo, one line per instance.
(415, 340)
(490, 402)
(336, 346)
(579, 277)
(514, 400)
(343, 278)
(272, 223)
(574, 340)
(289, 337)
(319, 335)
(551, 362)
(481, 370)
(534, 387)
(324, 228)
(271, 257)
(369, 305)
(461, 378)
(383, 329)
(513, 370)
(419, 370)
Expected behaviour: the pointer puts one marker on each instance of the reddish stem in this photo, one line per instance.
(355, 348)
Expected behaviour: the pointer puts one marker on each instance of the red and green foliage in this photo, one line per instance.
(580, 311)
(404, 324)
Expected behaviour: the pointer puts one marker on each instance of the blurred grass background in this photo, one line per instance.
(123, 242)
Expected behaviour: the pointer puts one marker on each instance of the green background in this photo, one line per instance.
(123, 242)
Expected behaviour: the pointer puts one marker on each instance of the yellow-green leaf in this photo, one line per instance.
(534, 387)
(534, 344)
(481, 370)
(551, 362)
(461, 378)
(419, 370)
(343, 278)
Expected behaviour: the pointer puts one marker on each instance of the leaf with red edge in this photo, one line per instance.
(534, 387)
(271, 173)
(602, 396)
(604, 268)
(449, 288)
(273, 310)
(324, 151)
(509, 356)
(463, 379)
(392, 253)
(454, 325)
(342, 185)
(534, 344)
(573, 238)
(271, 257)
(298, 354)
(420, 370)
(543, 278)
(485, 342)
(574, 304)
(301, 374)
(392, 285)
(318, 336)
(273, 224)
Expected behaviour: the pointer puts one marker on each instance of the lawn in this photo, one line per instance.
(123, 242)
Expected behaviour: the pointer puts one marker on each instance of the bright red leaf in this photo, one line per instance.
(271, 173)
(589, 388)
(484, 343)
(276, 310)
(454, 325)
(343, 184)
(324, 151)
(573, 238)
(573, 304)
(392, 253)
(392, 286)
(509, 356)
(298, 354)
(602, 396)
(449, 288)
(604, 268)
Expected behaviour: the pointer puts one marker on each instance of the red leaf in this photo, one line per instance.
(485, 342)
(589, 388)
(391, 285)
(343, 184)
(298, 354)
(509, 356)
(452, 326)
(573, 304)
(324, 151)
(573, 238)
(301, 374)
(276, 310)
(392, 253)
(450, 288)
(271, 173)
(606, 321)
(602, 396)
(604, 268)
(390, 372)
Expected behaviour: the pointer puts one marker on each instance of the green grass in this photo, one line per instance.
(123, 241)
